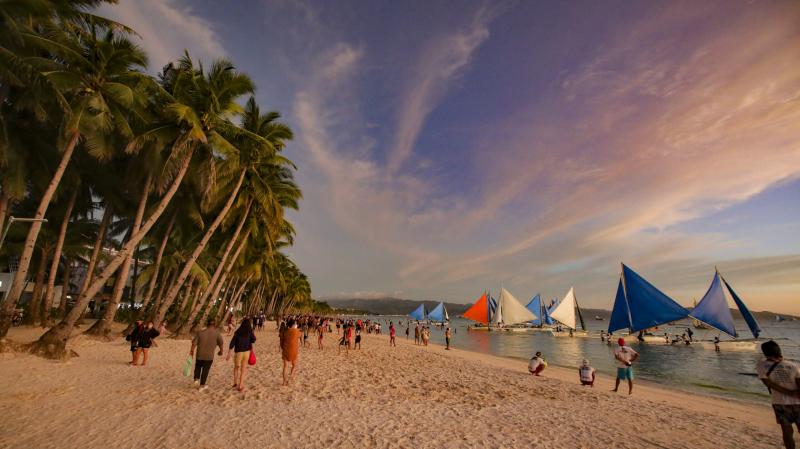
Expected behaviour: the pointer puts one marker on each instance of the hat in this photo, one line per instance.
(621, 341)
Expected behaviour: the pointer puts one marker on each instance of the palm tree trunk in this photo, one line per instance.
(3, 208)
(38, 286)
(62, 304)
(30, 240)
(53, 342)
(103, 325)
(230, 292)
(215, 283)
(187, 266)
(169, 278)
(108, 214)
(237, 297)
(192, 284)
(219, 285)
(50, 293)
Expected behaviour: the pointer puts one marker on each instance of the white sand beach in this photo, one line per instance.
(408, 396)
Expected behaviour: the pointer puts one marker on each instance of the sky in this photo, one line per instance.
(445, 148)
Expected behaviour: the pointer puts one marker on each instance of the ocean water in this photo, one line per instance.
(691, 368)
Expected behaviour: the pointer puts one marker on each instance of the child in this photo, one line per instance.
(586, 373)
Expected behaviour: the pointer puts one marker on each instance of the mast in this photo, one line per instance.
(625, 294)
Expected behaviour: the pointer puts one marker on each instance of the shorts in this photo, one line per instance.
(587, 382)
(241, 358)
(787, 414)
(625, 373)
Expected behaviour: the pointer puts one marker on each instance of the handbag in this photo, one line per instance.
(187, 366)
(252, 359)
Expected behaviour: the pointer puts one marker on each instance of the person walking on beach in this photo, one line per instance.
(133, 337)
(537, 364)
(625, 356)
(358, 339)
(241, 344)
(145, 341)
(320, 334)
(447, 335)
(205, 341)
(392, 335)
(782, 379)
(586, 373)
(416, 334)
(290, 343)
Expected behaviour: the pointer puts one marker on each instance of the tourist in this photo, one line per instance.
(145, 340)
(133, 337)
(416, 334)
(407, 330)
(205, 341)
(586, 373)
(358, 339)
(690, 333)
(425, 335)
(716, 343)
(537, 364)
(625, 356)
(782, 379)
(290, 343)
(447, 335)
(306, 344)
(241, 344)
(320, 334)
(162, 328)
(392, 335)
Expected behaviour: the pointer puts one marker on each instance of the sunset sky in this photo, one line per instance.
(447, 147)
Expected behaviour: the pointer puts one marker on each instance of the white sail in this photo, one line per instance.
(497, 316)
(446, 315)
(564, 313)
(513, 312)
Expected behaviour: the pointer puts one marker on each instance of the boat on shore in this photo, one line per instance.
(566, 313)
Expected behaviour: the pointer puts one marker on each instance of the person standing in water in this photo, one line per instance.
(782, 379)
(447, 335)
(205, 341)
(241, 344)
(290, 343)
(625, 356)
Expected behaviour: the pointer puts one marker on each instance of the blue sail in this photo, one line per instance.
(437, 314)
(419, 313)
(648, 306)
(713, 308)
(620, 316)
(535, 306)
(748, 317)
(492, 307)
(547, 310)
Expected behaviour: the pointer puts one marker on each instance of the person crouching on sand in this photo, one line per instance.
(586, 373)
(782, 378)
(537, 364)
(241, 344)
(290, 343)
(625, 356)
(145, 341)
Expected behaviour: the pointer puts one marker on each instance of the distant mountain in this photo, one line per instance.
(392, 306)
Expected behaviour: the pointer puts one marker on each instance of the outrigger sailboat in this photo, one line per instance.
(713, 311)
(418, 313)
(439, 314)
(639, 305)
(497, 314)
(565, 313)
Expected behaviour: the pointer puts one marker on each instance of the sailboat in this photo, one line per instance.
(510, 311)
(480, 312)
(565, 313)
(439, 314)
(713, 311)
(697, 324)
(639, 305)
(418, 313)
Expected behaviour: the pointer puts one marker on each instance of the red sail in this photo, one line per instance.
(479, 311)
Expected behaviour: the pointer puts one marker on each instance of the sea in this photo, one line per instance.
(693, 368)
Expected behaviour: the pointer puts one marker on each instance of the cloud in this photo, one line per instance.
(167, 28)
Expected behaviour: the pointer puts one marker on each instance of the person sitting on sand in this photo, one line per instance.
(133, 337)
(290, 343)
(586, 373)
(782, 379)
(145, 340)
(241, 344)
(537, 364)
(625, 356)
(205, 341)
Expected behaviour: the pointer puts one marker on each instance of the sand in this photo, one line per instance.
(408, 396)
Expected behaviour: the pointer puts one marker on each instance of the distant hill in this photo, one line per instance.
(396, 306)
(392, 306)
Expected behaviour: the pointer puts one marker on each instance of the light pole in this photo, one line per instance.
(11, 221)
